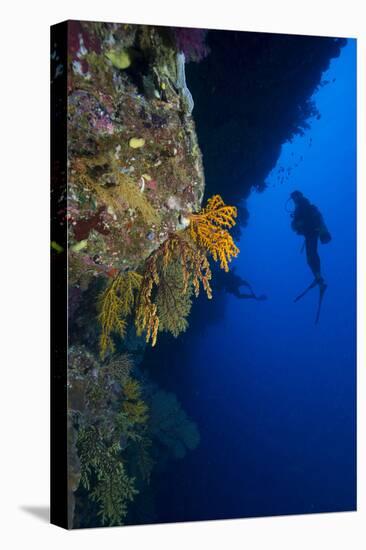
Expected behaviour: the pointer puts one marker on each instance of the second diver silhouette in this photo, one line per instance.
(232, 283)
(308, 222)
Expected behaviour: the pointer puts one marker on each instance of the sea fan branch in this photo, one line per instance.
(209, 229)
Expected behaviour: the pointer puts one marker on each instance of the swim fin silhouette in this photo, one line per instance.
(313, 284)
(322, 289)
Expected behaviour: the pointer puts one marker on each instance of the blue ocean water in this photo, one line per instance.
(273, 394)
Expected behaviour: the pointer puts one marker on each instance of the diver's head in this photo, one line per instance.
(296, 196)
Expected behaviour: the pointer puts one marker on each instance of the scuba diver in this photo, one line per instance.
(308, 222)
(231, 283)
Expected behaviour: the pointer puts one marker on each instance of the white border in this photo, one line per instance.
(24, 129)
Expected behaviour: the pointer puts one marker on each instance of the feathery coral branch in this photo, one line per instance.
(115, 305)
(134, 407)
(146, 311)
(102, 177)
(209, 229)
(173, 299)
(195, 269)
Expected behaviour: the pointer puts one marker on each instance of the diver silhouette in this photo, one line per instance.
(231, 283)
(308, 222)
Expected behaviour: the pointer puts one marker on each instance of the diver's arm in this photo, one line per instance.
(243, 296)
(252, 296)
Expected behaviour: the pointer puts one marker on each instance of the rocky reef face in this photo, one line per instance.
(135, 178)
(135, 168)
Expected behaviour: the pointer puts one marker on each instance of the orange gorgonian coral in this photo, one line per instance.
(209, 229)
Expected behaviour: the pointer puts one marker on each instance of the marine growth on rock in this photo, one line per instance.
(139, 250)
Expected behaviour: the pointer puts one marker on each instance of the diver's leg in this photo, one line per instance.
(313, 259)
(322, 289)
(312, 256)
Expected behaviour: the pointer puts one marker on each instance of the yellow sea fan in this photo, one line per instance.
(146, 311)
(218, 213)
(115, 305)
(194, 263)
(209, 229)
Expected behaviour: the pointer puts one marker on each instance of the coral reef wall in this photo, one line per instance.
(135, 168)
(135, 184)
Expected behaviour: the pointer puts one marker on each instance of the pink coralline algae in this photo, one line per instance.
(96, 108)
(104, 124)
(80, 42)
(152, 184)
(191, 42)
(83, 227)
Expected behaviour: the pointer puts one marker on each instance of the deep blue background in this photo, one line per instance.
(272, 393)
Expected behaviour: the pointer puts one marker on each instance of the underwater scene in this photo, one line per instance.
(211, 265)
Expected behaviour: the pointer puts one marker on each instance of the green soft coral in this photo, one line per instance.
(113, 488)
(110, 429)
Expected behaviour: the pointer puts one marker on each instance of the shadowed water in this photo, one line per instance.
(273, 393)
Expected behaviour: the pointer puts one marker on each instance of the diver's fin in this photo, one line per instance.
(322, 289)
(313, 284)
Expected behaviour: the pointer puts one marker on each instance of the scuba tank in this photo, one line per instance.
(316, 221)
(311, 221)
(324, 236)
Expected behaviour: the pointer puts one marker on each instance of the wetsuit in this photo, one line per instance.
(308, 221)
(312, 256)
